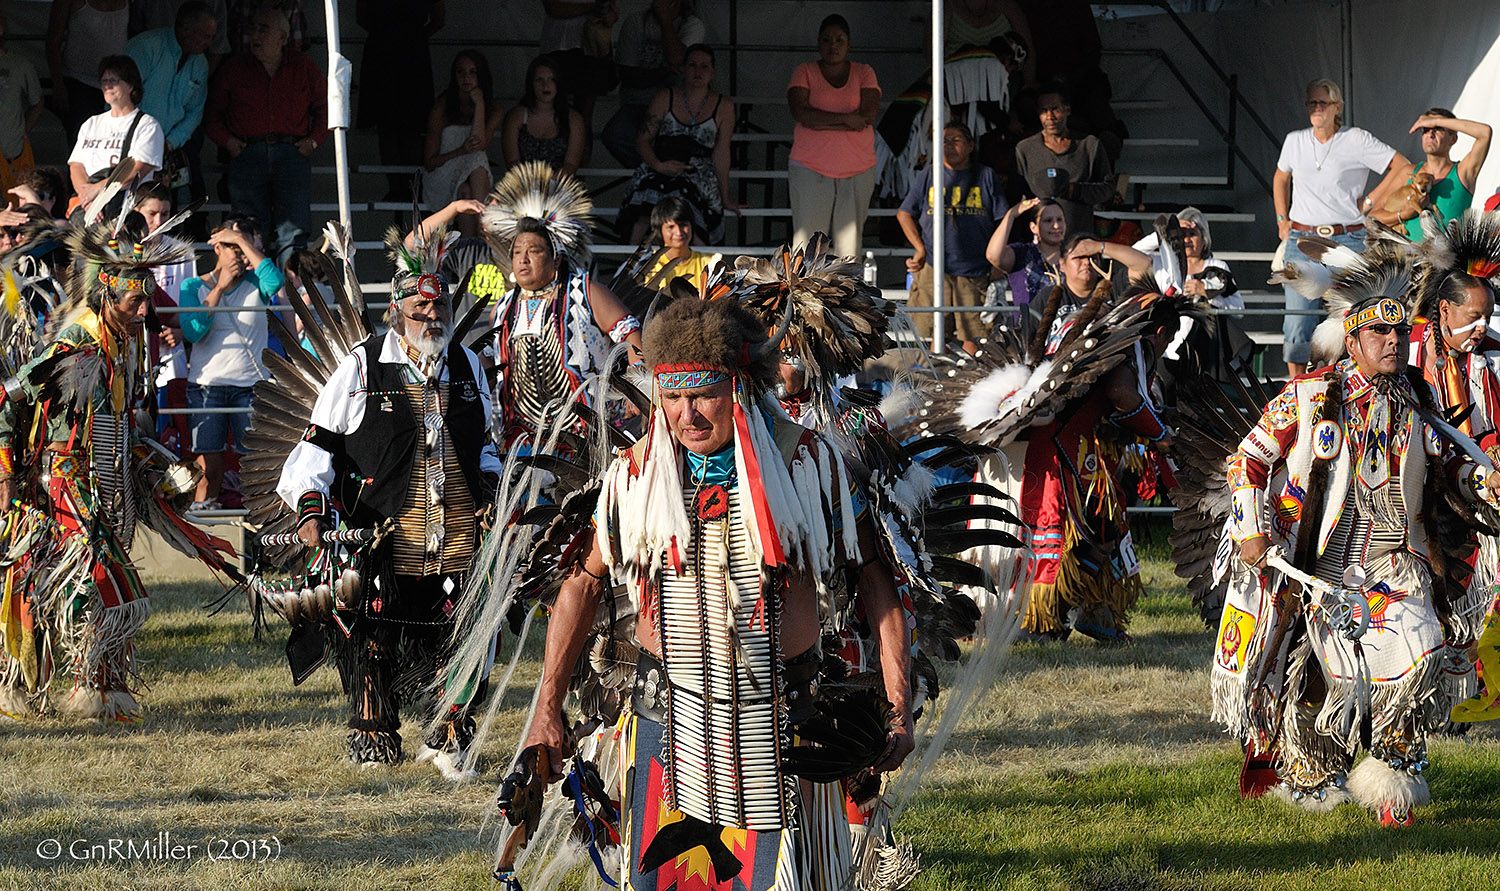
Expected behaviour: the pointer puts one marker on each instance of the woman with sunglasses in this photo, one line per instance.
(123, 130)
(1330, 164)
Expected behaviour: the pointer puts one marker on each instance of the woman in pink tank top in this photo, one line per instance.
(832, 171)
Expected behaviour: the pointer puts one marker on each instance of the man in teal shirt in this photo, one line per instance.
(174, 70)
(1452, 181)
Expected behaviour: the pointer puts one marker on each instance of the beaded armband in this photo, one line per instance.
(313, 505)
(624, 328)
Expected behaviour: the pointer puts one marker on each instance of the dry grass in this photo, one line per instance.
(1086, 766)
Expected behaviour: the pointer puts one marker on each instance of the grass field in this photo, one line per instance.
(1085, 767)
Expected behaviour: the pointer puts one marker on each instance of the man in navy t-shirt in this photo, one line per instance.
(974, 204)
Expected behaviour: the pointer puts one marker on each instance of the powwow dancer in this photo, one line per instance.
(398, 442)
(82, 477)
(727, 527)
(555, 327)
(1460, 358)
(1346, 476)
(1067, 412)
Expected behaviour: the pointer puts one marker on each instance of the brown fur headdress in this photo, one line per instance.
(710, 334)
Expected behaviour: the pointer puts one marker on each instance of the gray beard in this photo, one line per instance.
(431, 344)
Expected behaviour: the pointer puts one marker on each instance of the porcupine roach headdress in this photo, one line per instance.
(1469, 244)
(694, 343)
(534, 190)
(837, 321)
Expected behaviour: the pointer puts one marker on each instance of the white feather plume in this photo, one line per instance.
(1000, 393)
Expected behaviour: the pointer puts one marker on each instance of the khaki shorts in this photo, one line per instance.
(957, 291)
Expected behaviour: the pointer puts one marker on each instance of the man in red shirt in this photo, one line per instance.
(269, 110)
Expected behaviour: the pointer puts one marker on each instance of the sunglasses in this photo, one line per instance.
(1316, 104)
(1438, 130)
(1381, 329)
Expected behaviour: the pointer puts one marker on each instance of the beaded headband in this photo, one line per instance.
(689, 376)
(1385, 310)
(124, 283)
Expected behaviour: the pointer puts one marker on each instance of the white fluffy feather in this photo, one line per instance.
(1327, 343)
(1004, 390)
(1306, 277)
(1374, 784)
(900, 404)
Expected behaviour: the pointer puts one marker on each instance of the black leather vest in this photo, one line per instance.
(372, 464)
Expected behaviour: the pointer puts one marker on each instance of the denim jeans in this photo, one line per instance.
(273, 183)
(1297, 330)
(210, 432)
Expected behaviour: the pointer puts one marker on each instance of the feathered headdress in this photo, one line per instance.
(1354, 286)
(418, 268)
(1469, 244)
(837, 321)
(533, 190)
(116, 256)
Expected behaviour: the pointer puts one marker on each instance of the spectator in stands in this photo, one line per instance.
(972, 204)
(1329, 164)
(1069, 51)
(1033, 266)
(20, 107)
(1080, 275)
(79, 34)
(123, 130)
(242, 23)
(1056, 163)
(1453, 182)
(459, 131)
(269, 109)
(12, 219)
(649, 56)
(1208, 277)
(577, 34)
(831, 172)
(154, 203)
(174, 74)
(996, 148)
(395, 81)
(148, 15)
(225, 362)
(672, 227)
(684, 147)
(543, 127)
(42, 186)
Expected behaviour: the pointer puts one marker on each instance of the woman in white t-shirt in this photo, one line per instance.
(101, 139)
(1330, 164)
